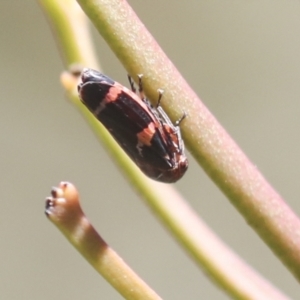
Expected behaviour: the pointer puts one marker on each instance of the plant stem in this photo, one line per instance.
(64, 210)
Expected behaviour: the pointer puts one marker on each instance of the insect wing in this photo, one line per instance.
(147, 136)
(128, 120)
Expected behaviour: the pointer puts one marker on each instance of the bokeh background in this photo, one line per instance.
(241, 57)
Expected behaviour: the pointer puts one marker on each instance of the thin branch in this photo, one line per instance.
(65, 18)
(64, 210)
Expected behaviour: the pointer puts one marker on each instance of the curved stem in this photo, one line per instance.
(64, 210)
(70, 27)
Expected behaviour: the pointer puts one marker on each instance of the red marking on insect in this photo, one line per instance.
(145, 136)
(112, 94)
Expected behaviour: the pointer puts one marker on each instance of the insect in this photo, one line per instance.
(144, 132)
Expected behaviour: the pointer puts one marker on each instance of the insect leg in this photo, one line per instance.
(184, 115)
(160, 94)
(141, 91)
(131, 84)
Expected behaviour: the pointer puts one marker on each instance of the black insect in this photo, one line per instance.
(145, 133)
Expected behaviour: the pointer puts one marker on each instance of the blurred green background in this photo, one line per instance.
(241, 57)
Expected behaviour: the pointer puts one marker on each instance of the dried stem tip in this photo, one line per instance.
(63, 209)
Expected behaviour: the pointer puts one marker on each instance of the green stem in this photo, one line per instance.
(66, 19)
